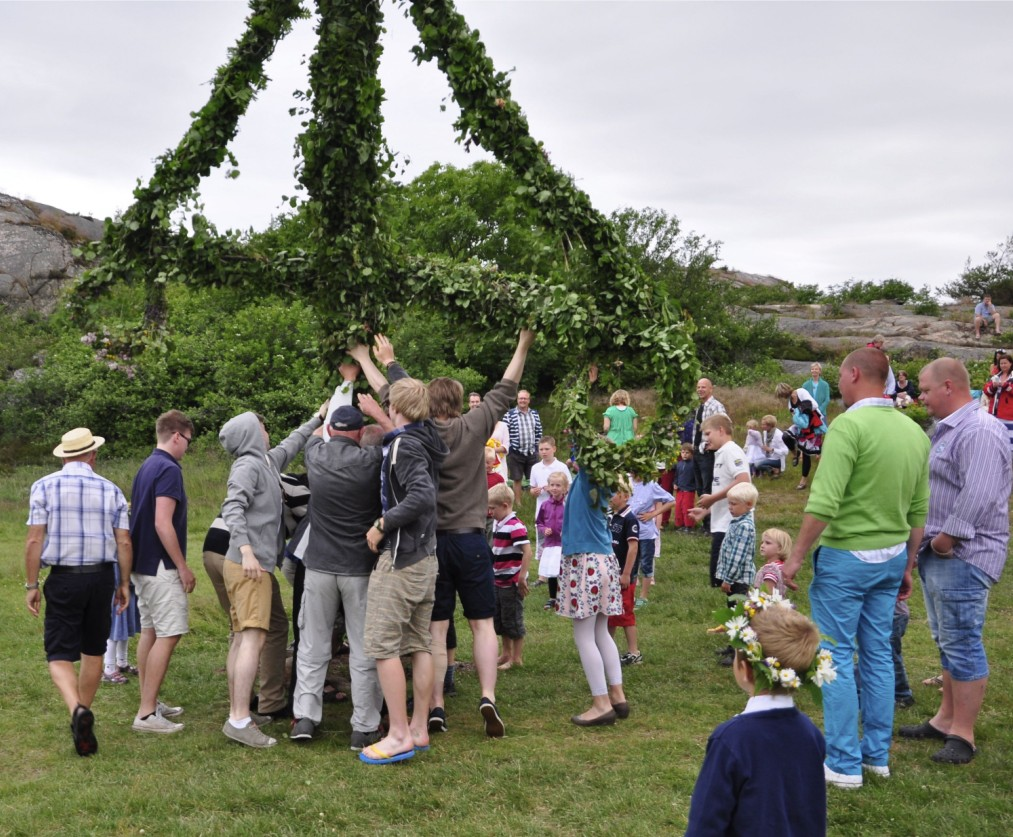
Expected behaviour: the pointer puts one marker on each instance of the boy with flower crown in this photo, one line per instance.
(762, 774)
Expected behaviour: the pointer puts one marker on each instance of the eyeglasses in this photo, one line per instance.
(188, 438)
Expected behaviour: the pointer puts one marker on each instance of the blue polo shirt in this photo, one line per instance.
(160, 475)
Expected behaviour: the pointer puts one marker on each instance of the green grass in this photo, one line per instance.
(545, 777)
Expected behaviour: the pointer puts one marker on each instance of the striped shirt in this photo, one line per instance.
(710, 407)
(525, 430)
(735, 561)
(509, 536)
(969, 480)
(80, 510)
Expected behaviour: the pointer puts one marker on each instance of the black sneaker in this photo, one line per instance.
(494, 726)
(437, 719)
(361, 740)
(631, 659)
(303, 729)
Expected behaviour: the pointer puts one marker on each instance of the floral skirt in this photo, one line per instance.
(589, 585)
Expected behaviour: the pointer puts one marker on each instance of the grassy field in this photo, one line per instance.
(545, 777)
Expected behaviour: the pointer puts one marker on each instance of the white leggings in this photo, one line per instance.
(598, 653)
(116, 654)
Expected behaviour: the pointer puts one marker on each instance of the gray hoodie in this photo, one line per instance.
(253, 504)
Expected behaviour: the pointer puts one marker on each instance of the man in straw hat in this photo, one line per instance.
(78, 527)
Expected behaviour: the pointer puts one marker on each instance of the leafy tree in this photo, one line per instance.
(993, 277)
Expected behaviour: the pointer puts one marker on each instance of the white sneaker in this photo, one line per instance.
(167, 711)
(155, 723)
(841, 780)
(248, 735)
(877, 770)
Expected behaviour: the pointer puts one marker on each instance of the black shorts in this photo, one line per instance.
(79, 609)
(465, 567)
(509, 618)
(519, 465)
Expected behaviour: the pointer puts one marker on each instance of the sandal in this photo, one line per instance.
(333, 695)
(936, 680)
(923, 730)
(801, 486)
(114, 677)
(957, 750)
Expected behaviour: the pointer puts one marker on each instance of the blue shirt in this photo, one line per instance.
(80, 510)
(645, 495)
(160, 475)
(585, 526)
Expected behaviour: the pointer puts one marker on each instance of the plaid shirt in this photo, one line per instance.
(525, 430)
(711, 407)
(735, 561)
(80, 510)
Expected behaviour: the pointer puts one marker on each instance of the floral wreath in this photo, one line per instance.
(768, 670)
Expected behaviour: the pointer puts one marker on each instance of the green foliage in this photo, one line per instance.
(894, 290)
(24, 337)
(993, 277)
(919, 415)
(926, 303)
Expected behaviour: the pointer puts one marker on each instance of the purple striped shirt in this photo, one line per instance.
(969, 487)
(80, 510)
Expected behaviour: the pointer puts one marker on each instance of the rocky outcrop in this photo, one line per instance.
(36, 258)
(914, 335)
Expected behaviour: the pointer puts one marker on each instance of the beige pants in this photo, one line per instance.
(272, 658)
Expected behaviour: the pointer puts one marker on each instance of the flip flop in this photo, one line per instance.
(957, 750)
(935, 680)
(421, 748)
(384, 758)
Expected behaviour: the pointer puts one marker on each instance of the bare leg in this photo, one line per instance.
(77, 688)
(438, 633)
(422, 685)
(484, 649)
(507, 653)
(152, 671)
(244, 657)
(632, 647)
(518, 651)
(392, 682)
(960, 707)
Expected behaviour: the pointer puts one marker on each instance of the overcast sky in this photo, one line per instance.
(819, 141)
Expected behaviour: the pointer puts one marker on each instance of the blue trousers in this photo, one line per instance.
(852, 605)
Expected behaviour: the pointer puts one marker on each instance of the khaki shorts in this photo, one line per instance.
(162, 602)
(249, 599)
(399, 604)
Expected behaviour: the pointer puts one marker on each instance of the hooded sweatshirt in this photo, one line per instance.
(411, 467)
(252, 510)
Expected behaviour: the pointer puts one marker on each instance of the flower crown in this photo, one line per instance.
(768, 670)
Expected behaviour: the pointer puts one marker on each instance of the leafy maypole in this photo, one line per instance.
(600, 308)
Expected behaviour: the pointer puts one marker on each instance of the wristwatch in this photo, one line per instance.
(34, 586)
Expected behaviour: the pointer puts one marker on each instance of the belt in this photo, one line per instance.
(81, 568)
(459, 532)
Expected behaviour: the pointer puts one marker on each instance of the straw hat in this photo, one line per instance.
(76, 442)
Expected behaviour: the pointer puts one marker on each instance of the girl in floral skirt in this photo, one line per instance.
(589, 592)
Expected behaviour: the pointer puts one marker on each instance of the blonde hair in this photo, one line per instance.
(788, 635)
(718, 420)
(781, 538)
(547, 440)
(744, 492)
(410, 397)
(561, 477)
(782, 390)
(501, 495)
(620, 396)
(769, 419)
(752, 424)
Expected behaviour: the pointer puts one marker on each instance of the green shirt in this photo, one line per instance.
(872, 486)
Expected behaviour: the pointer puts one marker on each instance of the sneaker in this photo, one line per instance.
(494, 726)
(549, 605)
(876, 770)
(628, 659)
(249, 735)
(303, 729)
(168, 711)
(128, 669)
(841, 780)
(361, 740)
(437, 720)
(640, 603)
(155, 723)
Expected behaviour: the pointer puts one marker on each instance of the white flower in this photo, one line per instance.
(748, 635)
(788, 678)
(771, 662)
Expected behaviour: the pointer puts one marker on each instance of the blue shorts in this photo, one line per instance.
(956, 598)
(465, 562)
(645, 558)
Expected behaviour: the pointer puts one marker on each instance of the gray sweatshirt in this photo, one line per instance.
(253, 504)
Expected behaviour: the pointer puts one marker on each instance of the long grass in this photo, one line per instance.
(544, 777)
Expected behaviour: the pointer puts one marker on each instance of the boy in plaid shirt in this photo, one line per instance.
(735, 570)
(735, 561)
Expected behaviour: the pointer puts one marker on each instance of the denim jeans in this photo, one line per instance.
(852, 604)
(901, 687)
(956, 598)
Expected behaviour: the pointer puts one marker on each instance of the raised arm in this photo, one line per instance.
(375, 378)
(515, 369)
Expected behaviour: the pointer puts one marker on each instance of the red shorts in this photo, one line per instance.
(628, 619)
